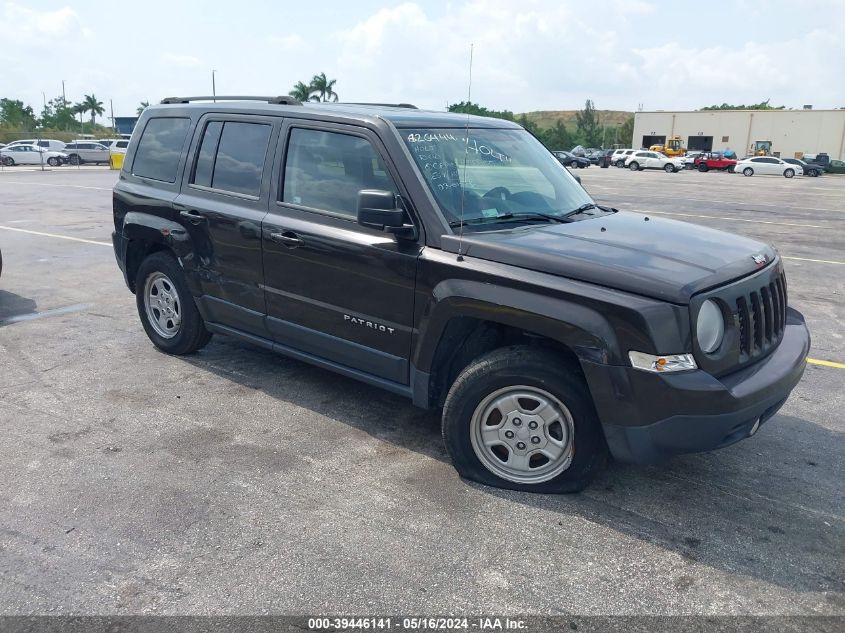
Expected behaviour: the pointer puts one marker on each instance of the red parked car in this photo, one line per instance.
(714, 160)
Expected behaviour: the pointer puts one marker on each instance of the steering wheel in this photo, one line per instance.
(498, 192)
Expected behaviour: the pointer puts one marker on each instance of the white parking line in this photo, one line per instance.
(61, 237)
(51, 184)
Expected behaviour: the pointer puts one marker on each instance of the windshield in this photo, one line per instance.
(486, 177)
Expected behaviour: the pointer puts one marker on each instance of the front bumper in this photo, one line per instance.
(648, 416)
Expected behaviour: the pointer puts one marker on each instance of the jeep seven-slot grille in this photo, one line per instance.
(762, 317)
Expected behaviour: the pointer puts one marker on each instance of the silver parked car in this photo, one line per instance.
(82, 152)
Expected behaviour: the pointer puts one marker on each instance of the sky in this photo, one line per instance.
(527, 54)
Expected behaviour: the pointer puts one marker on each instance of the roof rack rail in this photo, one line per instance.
(280, 100)
(410, 106)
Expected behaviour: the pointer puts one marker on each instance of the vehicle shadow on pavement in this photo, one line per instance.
(13, 305)
(770, 508)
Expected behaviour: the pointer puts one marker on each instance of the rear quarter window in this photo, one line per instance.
(160, 148)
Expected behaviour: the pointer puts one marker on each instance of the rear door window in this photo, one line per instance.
(160, 148)
(231, 156)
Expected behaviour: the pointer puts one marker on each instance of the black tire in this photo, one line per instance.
(748, 171)
(74, 159)
(669, 168)
(8, 161)
(788, 173)
(634, 166)
(702, 167)
(532, 367)
(574, 164)
(191, 335)
(53, 161)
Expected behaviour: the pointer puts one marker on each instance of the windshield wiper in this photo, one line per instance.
(586, 207)
(509, 217)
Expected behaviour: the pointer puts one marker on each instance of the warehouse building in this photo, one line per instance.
(792, 132)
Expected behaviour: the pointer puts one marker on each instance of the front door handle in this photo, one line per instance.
(288, 238)
(193, 217)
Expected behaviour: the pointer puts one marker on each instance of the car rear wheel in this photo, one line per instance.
(8, 161)
(166, 307)
(669, 168)
(53, 161)
(634, 166)
(521, 418)
(789, 173)
(748, 171)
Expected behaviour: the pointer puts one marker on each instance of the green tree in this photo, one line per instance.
(90, 104)
(589, 126)
(14, 113)
(763, 105)
(468, 107)
(324, 87)
(303, 92)
(557, 137)
(626, 132)
(143, 106)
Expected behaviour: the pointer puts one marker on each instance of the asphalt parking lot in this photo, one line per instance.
(236, 481)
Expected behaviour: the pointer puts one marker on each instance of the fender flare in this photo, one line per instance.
(148, 229)
(582, 329)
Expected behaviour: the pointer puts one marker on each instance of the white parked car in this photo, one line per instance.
(767, 166)
(31, 155)
(82, 152)
(653, 160)
(115, 145)
(619, 155)
(46, 143)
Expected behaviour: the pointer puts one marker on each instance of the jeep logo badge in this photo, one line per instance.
(759, 259)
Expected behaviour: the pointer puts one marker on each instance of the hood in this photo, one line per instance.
(655, 257)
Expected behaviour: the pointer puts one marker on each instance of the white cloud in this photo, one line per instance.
(545, 54)
(23, 22)
(182, 61)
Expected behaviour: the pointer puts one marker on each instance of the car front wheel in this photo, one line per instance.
(635, 166)
(521, 418)
(669, 168)
(74, 160)
(53, 161)
(789, 173)
(166, 307)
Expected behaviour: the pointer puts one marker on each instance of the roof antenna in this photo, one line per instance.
(466, 153)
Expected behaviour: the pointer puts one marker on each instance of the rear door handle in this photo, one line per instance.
(194, 217)
(287, 238)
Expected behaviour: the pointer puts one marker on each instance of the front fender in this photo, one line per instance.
(583, 329)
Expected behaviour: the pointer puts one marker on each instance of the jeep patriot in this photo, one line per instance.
(451, 259)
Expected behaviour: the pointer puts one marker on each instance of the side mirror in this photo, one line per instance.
(378, 210)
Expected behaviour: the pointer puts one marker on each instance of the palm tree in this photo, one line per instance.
(303, 92)
(323, 86)
(93, 106)
(144, 105)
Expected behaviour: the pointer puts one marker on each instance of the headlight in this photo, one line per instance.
(710, 327)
